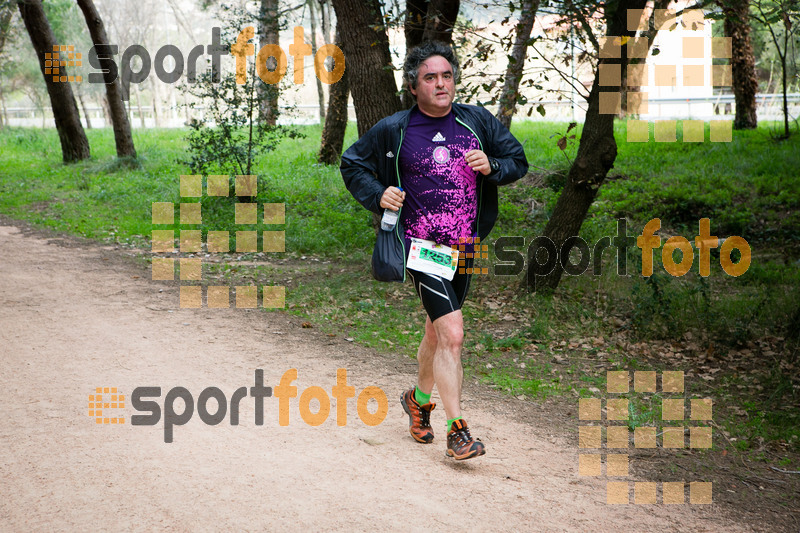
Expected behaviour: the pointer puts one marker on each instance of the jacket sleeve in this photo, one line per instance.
(506, 149)
(359, 168)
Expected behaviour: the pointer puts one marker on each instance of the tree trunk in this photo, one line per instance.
(3, 111)
(650, 35)
(787, 33)
(427, 20)
(325, 15)
(119, 118)
(743, 70)
(785, 86)
(74, 144)
(85, 111)
(596, 154)
(369, 63)
(440, 20)
(516, 62)
(336, 119)
(269, 27)
(142, 123)
(320, 93)
(103, 100)
(414, 29)
(156, 102)
(414, 25)
(6, 14)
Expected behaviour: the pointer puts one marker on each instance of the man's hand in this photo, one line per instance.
(478, 161)
(393, 198)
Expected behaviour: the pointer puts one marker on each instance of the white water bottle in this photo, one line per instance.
(389, 220)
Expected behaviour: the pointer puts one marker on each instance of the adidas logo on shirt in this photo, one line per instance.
(438, 137)
(389, 154)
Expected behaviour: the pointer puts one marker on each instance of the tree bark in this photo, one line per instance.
(142, 122)
(74, 144)
(414, 25)
(336, 119)
(268, 33)
(786, 51)
(103, 100)
(428, 20)
(324, 10)
(516, 62)
(596, 154)
(743, 70)
(6, 14)
(312, 5)
(440, 19)
(650, 35)
(369, 63)
(156, 101)
(3, 112)
(327, 21)
(85, 111)
(119, 118)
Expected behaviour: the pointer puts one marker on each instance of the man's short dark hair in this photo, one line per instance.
(417, 55)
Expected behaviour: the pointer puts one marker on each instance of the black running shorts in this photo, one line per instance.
(440, 296)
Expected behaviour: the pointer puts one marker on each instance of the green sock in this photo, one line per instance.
(421, 397)
(450, 422)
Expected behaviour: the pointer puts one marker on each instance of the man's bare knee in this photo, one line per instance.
(430, 337)
(450, 331)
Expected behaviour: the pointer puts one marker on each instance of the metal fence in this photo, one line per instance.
(770, 107)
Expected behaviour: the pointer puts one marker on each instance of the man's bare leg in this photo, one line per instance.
(449, 374)
(439, 359)
(447, 370)
(416, 403)
(425, 355)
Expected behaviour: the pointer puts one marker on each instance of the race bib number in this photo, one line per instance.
(431, 258)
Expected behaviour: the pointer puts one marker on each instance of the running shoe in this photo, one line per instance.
(419, 417)
(460, 444)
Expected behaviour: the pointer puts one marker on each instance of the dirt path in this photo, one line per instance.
(75, 317)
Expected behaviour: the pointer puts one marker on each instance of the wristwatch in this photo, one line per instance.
(495, 164)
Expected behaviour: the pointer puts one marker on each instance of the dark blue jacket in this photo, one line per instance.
(371, 164)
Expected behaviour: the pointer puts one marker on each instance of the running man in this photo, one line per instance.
(448, 158)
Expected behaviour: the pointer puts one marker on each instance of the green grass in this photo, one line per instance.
(748, 187)
(539, 388)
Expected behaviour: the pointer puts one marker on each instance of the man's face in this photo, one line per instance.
(436, 87)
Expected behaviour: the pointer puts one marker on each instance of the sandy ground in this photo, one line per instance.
(74, 317)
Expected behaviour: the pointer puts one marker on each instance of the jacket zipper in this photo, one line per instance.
(480, 190)
(400, 185)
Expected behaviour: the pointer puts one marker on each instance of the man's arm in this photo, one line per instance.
(506, 151)
(359, 168)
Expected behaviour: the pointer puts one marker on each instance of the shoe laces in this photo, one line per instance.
(424, 417)
(463, 435)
